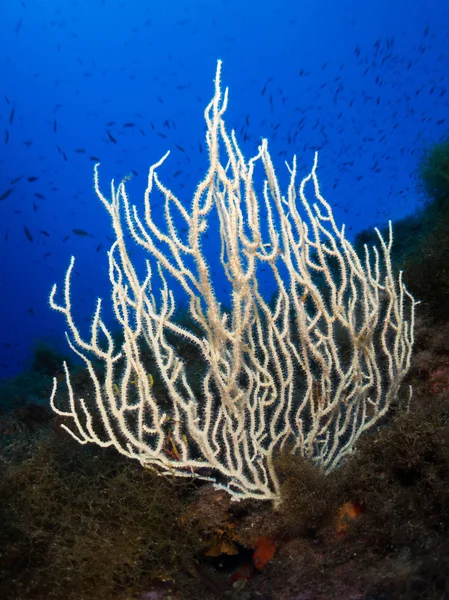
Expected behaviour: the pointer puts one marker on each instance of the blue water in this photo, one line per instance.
(122, 82)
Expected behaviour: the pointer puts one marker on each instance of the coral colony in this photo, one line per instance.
(308, 371)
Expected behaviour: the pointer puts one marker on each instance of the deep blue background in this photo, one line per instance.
(364, 83)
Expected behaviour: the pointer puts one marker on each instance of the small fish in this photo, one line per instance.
(66, 238)
(99, 247)
(80, 150)
(44, 232)
(16, 180)
(129, 125)
(28, 234)
(6, 194)
(32, 178)
(111, 137)
(11, 115)
(95, 158)
(6, 136)
(80, 232)
(55, 125)
(40, 196)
